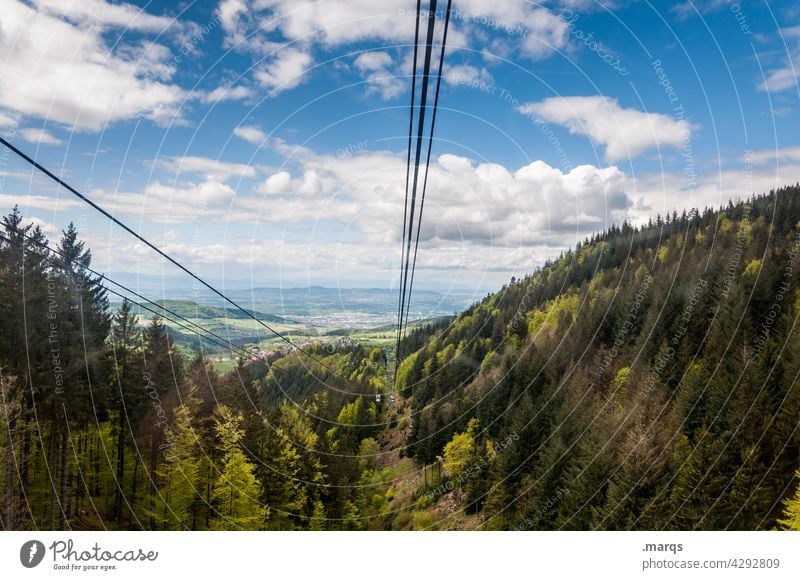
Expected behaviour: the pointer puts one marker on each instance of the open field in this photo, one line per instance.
(321, 316)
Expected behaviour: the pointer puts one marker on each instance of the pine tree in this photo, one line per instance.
(78, 331)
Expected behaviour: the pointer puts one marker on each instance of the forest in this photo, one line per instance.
(646, 379)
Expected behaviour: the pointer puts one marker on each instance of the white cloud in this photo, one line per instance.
(373, 60)
(6, 120)
(49, 204)
(251, 134)
(588, 5)
(482, 219)
(286, 71)
(99, 12)
(786, 76)
(282, 183)
(465, 74)
(39, 137)
(162, 203)
(625, 133)
(376, 68)
(344, 212)
(232, 15)
(780, 80)
(665, 192)
(686, 10)
(66, 73)
(43, 225)
(483, 203)
(227, 94)
(278, 183)
(339, 22)
(210, 168)
(255, 26)
(764, 156)
(535, 30)
(209, 192)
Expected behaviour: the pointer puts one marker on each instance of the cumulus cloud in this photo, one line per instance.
(256, 26)
(344, 211)
(170, 203)
(282, 183)
(625, 133)
(482, 203)
(63, 70)
(377, 68)
(535, 30)
(277, 183)
(246, 22)
(287, 70)
(465, 74)
(251, 134)
(39, 137)
(227, 94)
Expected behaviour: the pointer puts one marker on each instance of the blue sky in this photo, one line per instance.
(264, 140)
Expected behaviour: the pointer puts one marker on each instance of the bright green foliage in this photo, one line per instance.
(457, 453)
(236, 492)
(318, 517)
(753, 268)
(179, 474)
(357, 420)
(546, 319)
(791, 513)
(350, 519)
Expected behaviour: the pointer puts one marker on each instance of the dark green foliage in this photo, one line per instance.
(650, 375)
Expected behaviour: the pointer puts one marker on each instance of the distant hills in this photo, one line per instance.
(319, 306)
(191, 309)
(340, 307)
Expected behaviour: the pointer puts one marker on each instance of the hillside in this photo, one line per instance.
(192, 309)
(646, 379)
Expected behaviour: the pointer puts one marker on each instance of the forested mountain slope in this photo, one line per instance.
(647, 379)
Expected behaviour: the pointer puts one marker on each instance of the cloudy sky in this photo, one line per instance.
(264, 140)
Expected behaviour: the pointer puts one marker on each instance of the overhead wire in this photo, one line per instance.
(226, 342)
(410, 211)
(430, 147)
(171, 316)
(408, 166)
(406, 246)
(166, 256)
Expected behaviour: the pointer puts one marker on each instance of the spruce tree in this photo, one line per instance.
(237, 491)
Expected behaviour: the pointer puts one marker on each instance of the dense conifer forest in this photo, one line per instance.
(646, 379)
